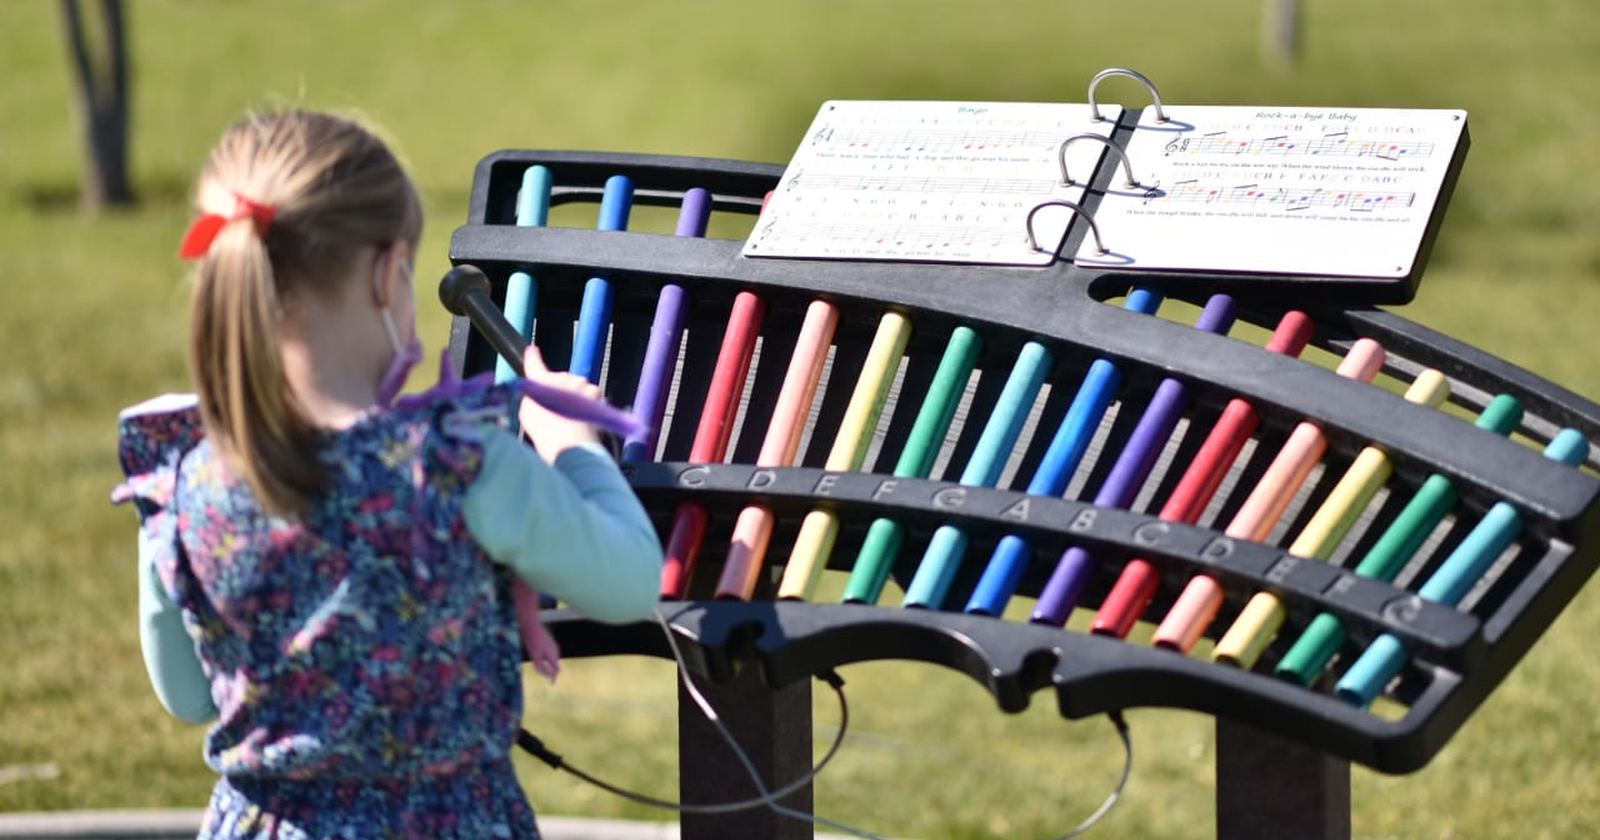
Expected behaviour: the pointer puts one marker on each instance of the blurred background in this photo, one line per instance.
(92, 318)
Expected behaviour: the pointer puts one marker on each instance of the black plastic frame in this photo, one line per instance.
(1460, 658)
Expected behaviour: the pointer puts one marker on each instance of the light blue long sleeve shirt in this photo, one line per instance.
(572, 529)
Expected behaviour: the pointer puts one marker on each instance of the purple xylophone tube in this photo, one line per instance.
(1071, 575)
(661, 354)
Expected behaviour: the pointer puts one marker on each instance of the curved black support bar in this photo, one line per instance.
(790, 641)
(660, 180)
(1050, 524)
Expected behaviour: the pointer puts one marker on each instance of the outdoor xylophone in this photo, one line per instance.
(1011, 445)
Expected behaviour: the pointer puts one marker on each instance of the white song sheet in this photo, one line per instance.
(930, 182)
(1329, 191)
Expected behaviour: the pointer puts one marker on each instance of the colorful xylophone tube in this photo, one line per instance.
(753, 530)
(522, 293)
(522, 296)
(1013, 552)
(1203, 596)
(938, 567)
(1130, 596)
(1065, 586)
(885, 535)
(594, 317)
(1465, 566)
(1250, 633)
(1322, 638)
(666, 331)
(820, 528)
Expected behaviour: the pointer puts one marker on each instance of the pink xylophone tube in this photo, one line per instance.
(752, 531)
(1136, 586)
(1202, 598)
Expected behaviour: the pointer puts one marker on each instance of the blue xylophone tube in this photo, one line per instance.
(1132, 467)
(1452, 581)
(1100, 384)
(594, 314)
(533, 210)
(943, 555)
(522, 295)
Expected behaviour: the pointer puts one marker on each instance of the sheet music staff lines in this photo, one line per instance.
(913, 169)
(882, 183)
(1359, 201)
(939, 139)
(918, 235)
(1331, 145)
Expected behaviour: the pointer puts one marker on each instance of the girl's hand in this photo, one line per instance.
(551, 433)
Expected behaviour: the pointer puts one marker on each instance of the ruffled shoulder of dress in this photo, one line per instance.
(440, 433)
(151, 438)
(460, 420)
(435, 442)
(470, 414)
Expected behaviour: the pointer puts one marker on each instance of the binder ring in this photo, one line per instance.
(1127, 169)
(1094, 106)
(1033, 241)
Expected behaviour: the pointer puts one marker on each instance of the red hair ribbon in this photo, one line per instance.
(205, 229)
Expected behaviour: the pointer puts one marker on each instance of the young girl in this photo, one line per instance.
(329, 575)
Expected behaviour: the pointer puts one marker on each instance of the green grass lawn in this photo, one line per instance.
(93, 313)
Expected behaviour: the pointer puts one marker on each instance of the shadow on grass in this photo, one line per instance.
(56, 198)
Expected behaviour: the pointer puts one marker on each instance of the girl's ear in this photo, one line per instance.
(389, 270)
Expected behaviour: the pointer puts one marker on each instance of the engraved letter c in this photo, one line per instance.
(1150, 533)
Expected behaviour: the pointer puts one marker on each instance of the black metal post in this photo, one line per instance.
(1269, 787)
(773, 727)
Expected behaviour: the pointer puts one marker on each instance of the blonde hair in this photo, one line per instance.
(334, 189)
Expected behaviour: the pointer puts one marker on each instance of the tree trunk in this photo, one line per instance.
(1281, 33)
(103, 103)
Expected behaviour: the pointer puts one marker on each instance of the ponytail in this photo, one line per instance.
(333, 189)
(244, 397)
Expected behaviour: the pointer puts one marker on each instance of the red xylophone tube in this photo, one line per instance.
(711, 436)
(1130, 596)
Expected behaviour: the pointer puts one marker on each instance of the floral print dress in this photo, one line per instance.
(363, 657)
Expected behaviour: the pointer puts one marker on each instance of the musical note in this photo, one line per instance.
(1193, 192)
(1294, 190)
(1333, 145)
(924, 180)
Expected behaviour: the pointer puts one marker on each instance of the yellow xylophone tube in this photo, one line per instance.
(752, 531)
(1257, 625)
(1202, 597)
(821, 527)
